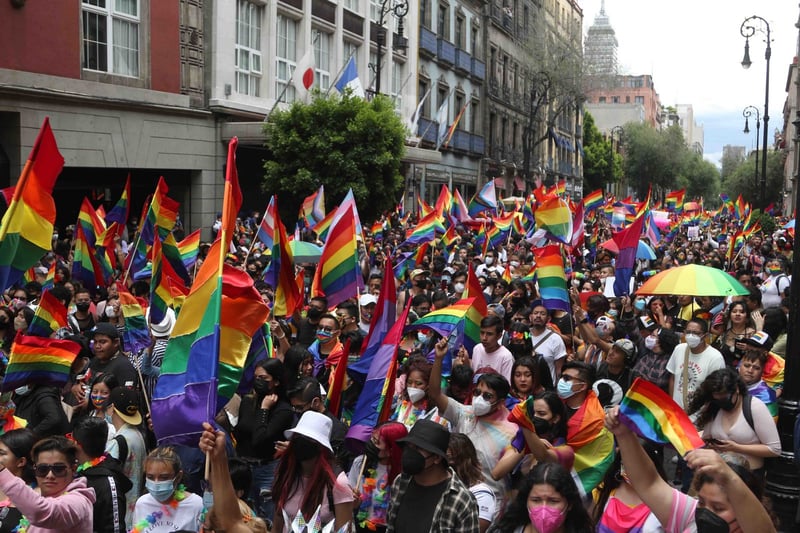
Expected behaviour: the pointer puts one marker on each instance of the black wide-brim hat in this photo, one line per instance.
(428, 436)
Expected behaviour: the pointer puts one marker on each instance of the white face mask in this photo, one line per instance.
(481, 406)
(458, 287)
(692, 340)
(489, 260)
(415, 394)
(514, 264)
(650, 342)
(110, 312)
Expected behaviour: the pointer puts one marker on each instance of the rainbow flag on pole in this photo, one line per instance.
(592, 442)
(26, 231)
(50, 316)
(36, 360)
(119, 213)
(551, 276)
(136, 336)
(594, 200)
(338, 275)
(555, 218)
(654, 415)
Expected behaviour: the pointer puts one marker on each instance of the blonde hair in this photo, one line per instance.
(167, 455)
(251, 521)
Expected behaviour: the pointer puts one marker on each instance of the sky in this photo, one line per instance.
(693, 50)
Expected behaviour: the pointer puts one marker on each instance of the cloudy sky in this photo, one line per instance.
(693, 49)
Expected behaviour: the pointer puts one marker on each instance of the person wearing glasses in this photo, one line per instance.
(485, 422)
(63, 503)
(327, 349)
(692, 361)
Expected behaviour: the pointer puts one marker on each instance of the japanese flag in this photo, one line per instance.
(304, 74)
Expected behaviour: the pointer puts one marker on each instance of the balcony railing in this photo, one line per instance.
(447, 51)
(427, 130)
(427, 41)
(460, 140)
(477, 144)
(478, 69)
(463, 60)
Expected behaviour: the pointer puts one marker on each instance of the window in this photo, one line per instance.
(492, 127)
(474, 117)
(627, 99)
(286, 58)
(615, 99)
(457, 109)
(111, 36)
(322, 61)
(353, 5)
(425, 13)
(248, 48)
(515, 133)
(422, 92)
(493, 67)
(443, 22)
(443, 92)
(373, 60)
(639, 99)
(375, 10)
(397, 84)
(473, 41)
(351, 50)
(460, 32)
(602, 100)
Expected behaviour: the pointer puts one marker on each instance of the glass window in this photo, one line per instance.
(353, 5)
(111, 36)
(322, 61)
(248, 48)
(286, 58)
(397, 84)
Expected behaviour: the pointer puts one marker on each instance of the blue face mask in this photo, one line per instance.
(564, 389)
(639, 305)
(160, 490)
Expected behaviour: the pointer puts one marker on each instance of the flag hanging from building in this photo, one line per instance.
(349, 79)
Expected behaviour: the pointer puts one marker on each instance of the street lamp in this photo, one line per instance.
(620, 132)
(398, 8)
(747, 30)
(747, 113)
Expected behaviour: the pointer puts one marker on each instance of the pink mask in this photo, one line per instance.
(546, 519)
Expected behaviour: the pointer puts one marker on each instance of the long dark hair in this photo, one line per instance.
(290, 473)
(276, 370)
(529, 363)
(558, 409)
(613, 479)
(553, 474)
(722, 380)
(464, 459)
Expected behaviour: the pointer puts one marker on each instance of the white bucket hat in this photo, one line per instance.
(163, 328)
(314, 426)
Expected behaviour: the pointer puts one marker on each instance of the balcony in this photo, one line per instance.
(478, 69)
(463, 60)
(447, 51)
(427, 42)
(477, 144)
(460, 140)
(427, 130)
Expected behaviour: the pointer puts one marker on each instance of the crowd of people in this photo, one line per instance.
(490, 439)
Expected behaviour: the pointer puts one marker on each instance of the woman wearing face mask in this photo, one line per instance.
(308, 479)
(167, 506)
(372, 474)
(98, 404)
(264, 415)
(775, 284)
(414, 400)
(547, 502)
(485, 422)
(113, 314)
(719, 403)
(728, 499)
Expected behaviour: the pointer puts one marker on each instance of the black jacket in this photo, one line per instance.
(110, 486)
(41, 407)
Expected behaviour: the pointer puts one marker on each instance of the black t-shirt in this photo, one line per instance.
(120, 366)
(415, 512)
(9, 519)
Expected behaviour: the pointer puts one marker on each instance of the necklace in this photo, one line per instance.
(89, 464)
(166, 509)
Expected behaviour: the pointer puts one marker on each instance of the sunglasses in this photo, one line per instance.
(58, 469)
(488, 396)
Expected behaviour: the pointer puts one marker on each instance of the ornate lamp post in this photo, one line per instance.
(748, 29)
(747, 113)
(398, 8)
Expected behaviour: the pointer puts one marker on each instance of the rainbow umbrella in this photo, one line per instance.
(693, 280)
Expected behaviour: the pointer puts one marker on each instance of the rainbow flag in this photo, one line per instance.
(653, 414)
(551, 276)
(50, 278)
(578, 227)
(136, 336)
(627, 242)
(189, 247)
(592, 442)
(444, 201)
(104, 252)
(26, 231)
(338, 275)
(119, 213)
(29, 275)
(484, 200)
(205, 356)
(279, 274)
(458, 319)
(324, 226)
(425, 230)
(167, 289)
(373, 403)
(36, 360)
(313, 207)
(93, 225)
(85, 267)
(172, 253)
(423, 207)
(260, 348)
(593, 200)
(674, 200)
(50, 316)
(561, 187)
(460, 211)
(266, 230)
(161, 215)
(555, 218)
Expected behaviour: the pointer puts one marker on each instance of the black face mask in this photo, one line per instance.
(709, 522)
(305, 449)
(314, 313)
(727, 404)
(517, 350)
(412, 461)
(261, 387)
(82, 306)
(371, 450)
(543, 427)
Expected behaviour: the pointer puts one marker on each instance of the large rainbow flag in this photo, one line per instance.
(555, 218)
(50, 316)
(280, 271)
(653, 414)
(209, 345)
(592, 442)
(551, 276)
(36, 360)
(338, 276)
(26, 231)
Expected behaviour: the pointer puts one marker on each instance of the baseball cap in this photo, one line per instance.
(419, 272)
(367, 299)
(626, 346)
(759, 339)
(126, 404)
(105, 328)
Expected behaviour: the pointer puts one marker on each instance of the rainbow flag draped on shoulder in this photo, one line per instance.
(209, 346)
(592, 443)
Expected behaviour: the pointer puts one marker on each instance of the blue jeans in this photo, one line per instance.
(261, 490)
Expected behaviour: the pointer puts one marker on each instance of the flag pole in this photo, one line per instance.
(288, 83)
(341, 70)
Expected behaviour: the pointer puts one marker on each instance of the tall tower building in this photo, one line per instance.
(600, 47)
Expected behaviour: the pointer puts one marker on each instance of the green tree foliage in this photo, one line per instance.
(341, 143)
(742, 180)
(701, 179)
(597, 167)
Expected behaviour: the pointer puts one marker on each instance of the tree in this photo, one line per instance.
(598, 169)
(742, 180)
(339, 142)
(701, 179)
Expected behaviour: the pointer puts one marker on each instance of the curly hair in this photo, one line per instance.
(722, 380)
(463, 458)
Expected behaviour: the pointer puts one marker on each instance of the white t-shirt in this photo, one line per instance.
(486, 502)
(501, 360)
(700, 366)
(552, 349)
(186, 516)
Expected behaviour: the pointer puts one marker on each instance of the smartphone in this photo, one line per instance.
(713, 442)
